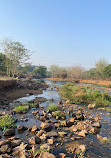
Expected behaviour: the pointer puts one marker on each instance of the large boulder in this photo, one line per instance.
(46, 127)
(9, 132)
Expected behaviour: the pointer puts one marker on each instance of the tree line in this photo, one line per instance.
(14, 62)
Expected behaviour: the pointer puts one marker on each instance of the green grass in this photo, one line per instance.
(59, 113)
(7, 122)
(20, 109)
(52, 108)
(38, 151)
(84, 94)
(109, 86)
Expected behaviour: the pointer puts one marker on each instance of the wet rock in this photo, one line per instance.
(9, 132)
(45, 147)
(46, 127)
(73, 128)
(4, 156)
(21, 150)
(21, 128)
(91, 106)
(72, 119)
(59, 102)
(34, 129)
(97, 124)
(51, 99)
(62, 155)
(62, 134)
(6, 149)
(44, 113)
(94, 130)
(35, 112)
(80, 117)
(67, 101)
(4, 142)
(50, 141)
(46, 155)
(102, 139)
(34, 140)
(81, 149)
(40, 133)
(52, 134)
(82, 133)
(15, 143)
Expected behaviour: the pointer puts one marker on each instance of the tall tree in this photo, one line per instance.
(16, 54)
(100, 65)
(40, 71)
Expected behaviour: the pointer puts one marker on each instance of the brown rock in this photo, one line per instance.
(34, 140)
(46, 127)
(46, 155)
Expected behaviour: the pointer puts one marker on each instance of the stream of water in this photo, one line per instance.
(94, 151)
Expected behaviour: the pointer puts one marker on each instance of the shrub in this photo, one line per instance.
(59, 114)
(21, 109)
(7, 122)
(52, 108)
(84, 94)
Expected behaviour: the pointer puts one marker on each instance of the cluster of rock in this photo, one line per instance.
(51, 132)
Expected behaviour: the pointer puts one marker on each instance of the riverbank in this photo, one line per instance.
(11, 90)
(96, 82)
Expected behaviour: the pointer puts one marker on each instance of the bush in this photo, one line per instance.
(59, 114)
(7, 122)
(21, 109)
(52, 108)
(84, 94)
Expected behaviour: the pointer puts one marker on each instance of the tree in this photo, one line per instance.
(40, 71)
(16, 55)
(57, 71)
(76, 72)
(107, 71)
(100, 65)
(3, 63)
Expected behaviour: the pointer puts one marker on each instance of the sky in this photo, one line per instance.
(61, 32)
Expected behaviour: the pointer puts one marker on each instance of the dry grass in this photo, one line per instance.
(4, 78)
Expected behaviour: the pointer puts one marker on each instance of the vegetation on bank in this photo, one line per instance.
(84, 94)
(21, 109)
(7, 122)
(52, 108)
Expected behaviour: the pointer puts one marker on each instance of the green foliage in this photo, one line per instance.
(21, 109)
(84, 94)
(7, 122)
(107, 71)
(52, 108)
(3, 63)
(59, 113)
(40, 71)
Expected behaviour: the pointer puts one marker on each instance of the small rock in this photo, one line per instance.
(50, 141)
(62, 155)
(34, 129)
(46, 155)
(62, 134)
(46, 127)
(34, 140)
(97, 124)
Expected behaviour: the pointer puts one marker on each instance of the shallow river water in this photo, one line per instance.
(94, 148)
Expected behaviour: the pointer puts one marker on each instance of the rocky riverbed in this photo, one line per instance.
(72, 131)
